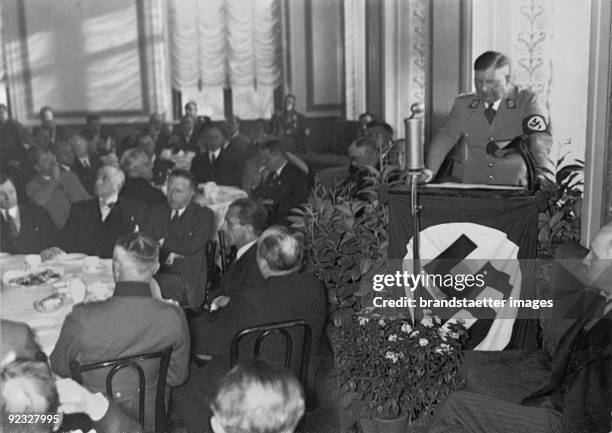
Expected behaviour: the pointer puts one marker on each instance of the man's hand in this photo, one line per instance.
(75, 398)
(51, 253)
(219, 302)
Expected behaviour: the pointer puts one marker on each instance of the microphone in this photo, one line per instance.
(415, 160)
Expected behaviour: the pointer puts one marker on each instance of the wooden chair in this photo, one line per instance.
(133, 362)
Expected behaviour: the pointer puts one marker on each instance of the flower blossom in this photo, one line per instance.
(393, 337)
(427, 322)
(414, 333)
(363, 320)
(423, 342)
(406, 328)
(437, 319)
(392, 356)
(381, 322)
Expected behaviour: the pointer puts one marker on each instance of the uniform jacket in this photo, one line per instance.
(131, 322)
(519, 112)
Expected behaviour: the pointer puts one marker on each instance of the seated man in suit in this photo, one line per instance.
(286, 186)
(183, 144)
(161, 167)
(245, 220)
(131, 322)
(138, 170)
(257, 398)
(578, 397)
(94, 225)
(219, 160)
(191, 108)
(182, 229)
(239, 141)
(86, 163)
(23, 229)
(28, 387)
(286, 294)
(46, 134)
(53, 189)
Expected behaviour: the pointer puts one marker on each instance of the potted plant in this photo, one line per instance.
(399, 369)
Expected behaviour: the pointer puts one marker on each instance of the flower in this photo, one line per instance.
(393, 337)
(442, 333)
(414, 333)
(381, 322)
(363, 320)
(427, 322)
(423, 342)
(392, 356)
(406, 328)
(427, 312)
(437, 319)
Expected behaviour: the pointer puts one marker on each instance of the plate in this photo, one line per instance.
(50, 303)
(21, 278)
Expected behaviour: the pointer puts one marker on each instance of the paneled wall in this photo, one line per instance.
(315, 58)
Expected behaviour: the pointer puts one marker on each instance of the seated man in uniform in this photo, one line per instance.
(481, 125)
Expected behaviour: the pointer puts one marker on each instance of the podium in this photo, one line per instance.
(474, 227)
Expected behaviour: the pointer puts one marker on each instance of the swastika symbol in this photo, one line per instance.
(536, 123)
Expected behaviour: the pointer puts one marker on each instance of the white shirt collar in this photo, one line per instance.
(216, 154)
(180, 211)
(280, 169)
(85, 160)
(112, 199)
(243, 249)
(495, 105)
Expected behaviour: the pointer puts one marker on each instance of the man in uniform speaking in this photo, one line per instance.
(478, 135)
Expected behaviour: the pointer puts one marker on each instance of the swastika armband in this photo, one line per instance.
(534, 123)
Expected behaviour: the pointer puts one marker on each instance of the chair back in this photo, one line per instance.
(285, 330)
(133, 362)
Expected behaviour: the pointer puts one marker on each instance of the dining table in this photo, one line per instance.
(19, 302)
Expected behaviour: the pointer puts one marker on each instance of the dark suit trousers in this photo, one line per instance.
(467, 412)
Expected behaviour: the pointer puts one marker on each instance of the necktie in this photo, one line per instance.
(490, 113)
(212, 158)
(106, 209)
(175, 217)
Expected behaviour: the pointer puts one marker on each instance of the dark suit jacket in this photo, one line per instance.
(37, 232)
(18, 337)
(178, 142)
(85, 232)
(87, 176)
(581, 375)
(131, 322)
(243, 273)
(139, 189)
(288, 297)
(288, 190)
(226, 170)
(241, 143)
(187, 238)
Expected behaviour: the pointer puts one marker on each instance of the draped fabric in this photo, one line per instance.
(226, 43)
(354, 59)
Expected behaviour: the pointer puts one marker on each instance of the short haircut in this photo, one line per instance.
(141, 247)
(190, 103)
(222, 128)
(43, 109)
(490, 59)
(380, 124)
(367, 113)
(364, 142)
(273, 145)
(281, 250)
(185, 174)
(251, 212)
(257, 398)
(28, 387)
(132, 158)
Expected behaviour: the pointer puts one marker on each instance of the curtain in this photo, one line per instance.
(226, 43)
(354, 58)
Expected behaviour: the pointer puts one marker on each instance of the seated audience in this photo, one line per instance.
(240, 142)
(245, 220)
(94, 225)
(286, 186)
(286, 294)
(46, 134)
(9, 132)
(191, 108)
(23, 229)
(219, 161)
(182, 145)
(53, 189)
(136, 164)
(28, 387)
(182, 229)
(578, 397)
(86, 164)
(16, 161)
(99, 143)
(363, 153)
(131, 322)
(161, 167)
(257, 398)
(18, 338)
(364, 120)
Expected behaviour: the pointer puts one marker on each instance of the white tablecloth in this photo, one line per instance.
(17, 303)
